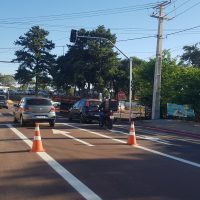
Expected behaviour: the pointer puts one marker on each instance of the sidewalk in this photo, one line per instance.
(176, 126)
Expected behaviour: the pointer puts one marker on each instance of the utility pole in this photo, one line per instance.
(157, 72)
(130, 88)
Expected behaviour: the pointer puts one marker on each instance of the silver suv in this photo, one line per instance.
(34, 109)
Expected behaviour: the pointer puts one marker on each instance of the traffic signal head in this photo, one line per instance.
(73, 35)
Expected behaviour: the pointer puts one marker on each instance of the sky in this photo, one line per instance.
(130, 20)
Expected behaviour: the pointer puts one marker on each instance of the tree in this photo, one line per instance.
(35, 59)
(191, 55)
(7, 80)
(91, 61)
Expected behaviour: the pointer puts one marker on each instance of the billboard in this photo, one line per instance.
(175, 110)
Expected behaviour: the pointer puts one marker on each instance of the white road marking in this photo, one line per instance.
(194, 141)
(167, 134)
(80, 187)
(71, 137)
(154, 139)
(95, 133)
(140, 147)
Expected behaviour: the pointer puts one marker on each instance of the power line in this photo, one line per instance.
(186, 10)
(77, 15)
(4, 61)
(139, 38)
(177, 7)
(182, 30)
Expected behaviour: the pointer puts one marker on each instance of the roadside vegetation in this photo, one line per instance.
(94, 65)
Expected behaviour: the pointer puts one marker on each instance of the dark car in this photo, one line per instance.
(85, 110)
(66, 103)
(3, 102)
(34, 109)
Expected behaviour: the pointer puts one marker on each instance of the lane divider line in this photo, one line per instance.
(153, 139)
(71, 137)
(95, 133)
(141, 147)
(80, 187)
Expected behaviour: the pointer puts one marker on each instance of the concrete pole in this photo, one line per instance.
(130, 89)
(157, 72)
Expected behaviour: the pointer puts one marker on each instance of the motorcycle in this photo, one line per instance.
(107, 120)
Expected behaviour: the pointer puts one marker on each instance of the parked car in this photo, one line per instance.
(85, 110)
(3, 102)
(66, 103)
(34, 109)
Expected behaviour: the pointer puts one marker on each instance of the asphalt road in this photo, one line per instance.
(83, 161)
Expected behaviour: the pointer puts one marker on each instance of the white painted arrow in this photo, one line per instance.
(65, 133)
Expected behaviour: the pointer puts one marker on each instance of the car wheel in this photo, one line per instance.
(22, 123)
(82, 120)
(52, 123)
(70, 118)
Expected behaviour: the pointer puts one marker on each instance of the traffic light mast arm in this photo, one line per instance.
(73, 38)
(101, 38)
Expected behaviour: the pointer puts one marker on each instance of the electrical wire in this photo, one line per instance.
(139, 38)
(76, 15)
(177, 8)
(182, 30)
(186, 10)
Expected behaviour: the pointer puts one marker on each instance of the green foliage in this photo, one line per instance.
(7, 80)
(191, 55)
(89, 61)
(34, 57)
(180, 85)
(143, 76)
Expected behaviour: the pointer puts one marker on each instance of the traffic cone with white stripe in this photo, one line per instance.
(37, 142)
(132, 137)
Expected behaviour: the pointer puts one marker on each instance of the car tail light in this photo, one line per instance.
(87, 104)
(52, 109)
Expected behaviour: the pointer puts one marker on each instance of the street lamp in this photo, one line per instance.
(74, 35)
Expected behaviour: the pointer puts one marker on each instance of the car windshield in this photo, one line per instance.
(39, 102)
(93, 103)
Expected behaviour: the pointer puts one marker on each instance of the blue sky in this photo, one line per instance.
(127, 19)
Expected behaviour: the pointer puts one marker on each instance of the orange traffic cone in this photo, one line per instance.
(132, 137)
(37, 142)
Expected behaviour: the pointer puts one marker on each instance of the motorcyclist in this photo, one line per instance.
(104, 109)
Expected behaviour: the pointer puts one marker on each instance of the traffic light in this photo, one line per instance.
(73, 36)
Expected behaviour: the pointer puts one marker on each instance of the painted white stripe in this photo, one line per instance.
(21, 136)
(78, 140)
(80, 187)
(37, 137)
(158, 140)
(141, 147)
(175, 137)
(169, 156)
(71, 137)
(95, 133)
